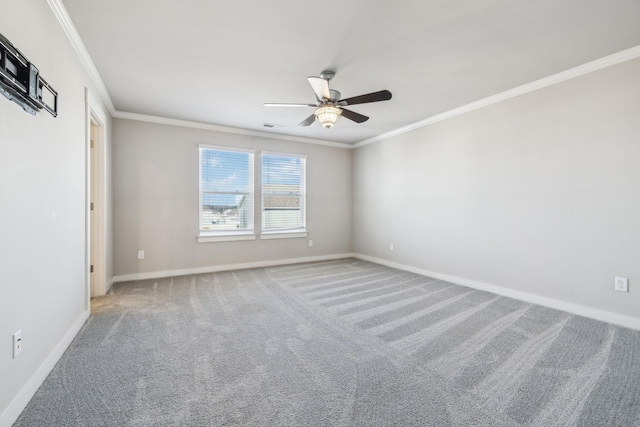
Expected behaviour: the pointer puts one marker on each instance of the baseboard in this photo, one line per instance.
(109, 284)
(593, 313)
(226, 267)
(13, 411)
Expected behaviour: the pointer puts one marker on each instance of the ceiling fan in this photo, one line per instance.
(329, 106)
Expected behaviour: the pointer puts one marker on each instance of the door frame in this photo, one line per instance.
(95, 192)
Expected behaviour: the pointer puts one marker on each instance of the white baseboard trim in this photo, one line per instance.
(15, 408)
(109, 284)
(593, 313)
(226, 267)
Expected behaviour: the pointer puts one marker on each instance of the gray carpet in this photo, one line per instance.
(336, 343)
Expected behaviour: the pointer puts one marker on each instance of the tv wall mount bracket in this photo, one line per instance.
(21, 82)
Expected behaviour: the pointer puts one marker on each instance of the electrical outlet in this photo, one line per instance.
(140, 254)
(621, 284)
(17, 343)
(390, 246)
(310, 242)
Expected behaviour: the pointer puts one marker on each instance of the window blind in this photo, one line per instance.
(283, 192)
(226, 190)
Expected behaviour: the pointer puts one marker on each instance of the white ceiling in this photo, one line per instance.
(216, 62)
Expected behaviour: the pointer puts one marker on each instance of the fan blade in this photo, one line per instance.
(271, 104)
(309, 120)
(320, 87)
(352, 115)
(383, 95)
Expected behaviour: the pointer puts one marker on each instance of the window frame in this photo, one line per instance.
(284, 233)
(205, 236)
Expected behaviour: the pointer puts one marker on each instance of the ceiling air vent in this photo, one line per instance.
(272, 126)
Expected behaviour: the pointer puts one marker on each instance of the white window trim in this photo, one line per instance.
(227, 237)
(232, 235)
(289, 232)
(223, 148)
(280, 153)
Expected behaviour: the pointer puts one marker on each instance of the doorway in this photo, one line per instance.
(96, 283)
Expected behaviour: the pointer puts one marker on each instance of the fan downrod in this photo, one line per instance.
(328, 74)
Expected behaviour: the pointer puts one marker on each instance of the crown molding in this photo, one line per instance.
(578, 71)
(70, 30)
(225, 129)
(72, 34)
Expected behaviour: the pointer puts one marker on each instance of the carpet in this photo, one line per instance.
(336, 343)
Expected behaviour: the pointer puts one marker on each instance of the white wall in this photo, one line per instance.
(156, 200)
(42, 212)
(538, 194)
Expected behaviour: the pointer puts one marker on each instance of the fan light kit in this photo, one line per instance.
(329, 106)
(328, 115)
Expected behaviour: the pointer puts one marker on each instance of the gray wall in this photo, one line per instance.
(156, 200)
(42, 196)
(538, 194)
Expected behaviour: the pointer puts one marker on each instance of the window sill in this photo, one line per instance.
(282, 235)
(209, 238)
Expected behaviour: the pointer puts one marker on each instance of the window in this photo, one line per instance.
(226, 193)
(283, 193)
